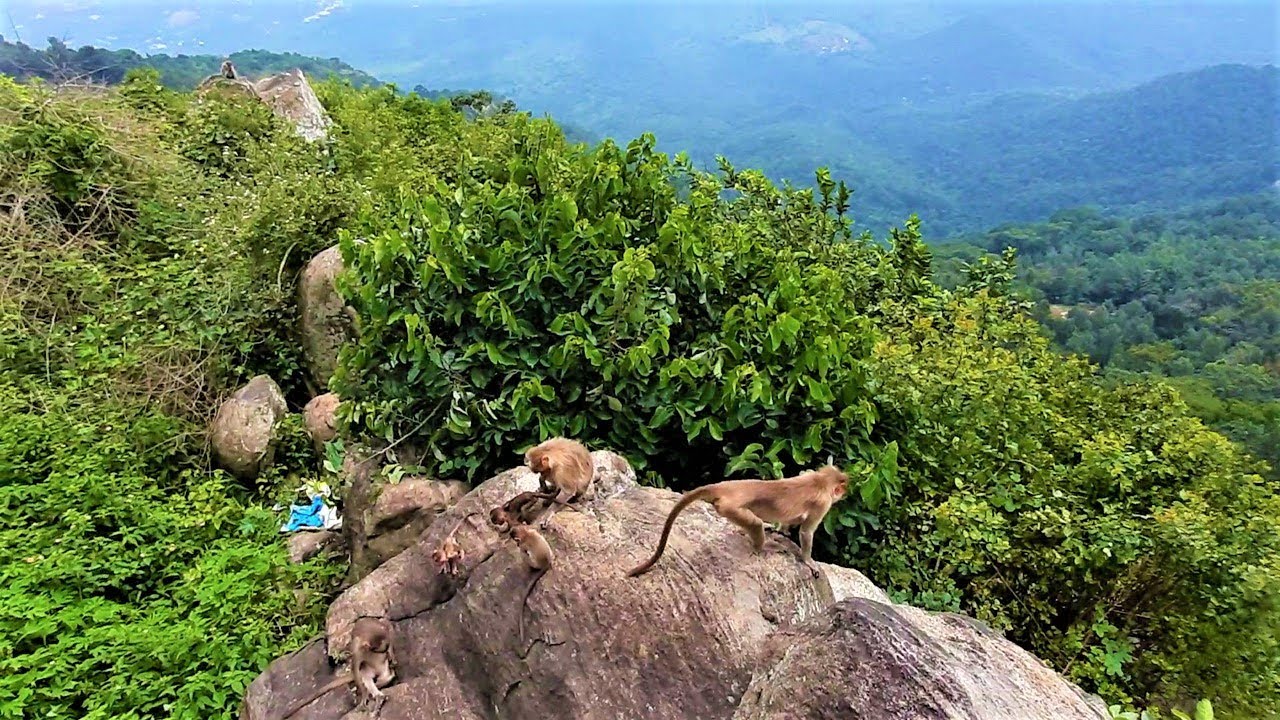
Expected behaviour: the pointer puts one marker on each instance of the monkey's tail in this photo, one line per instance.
(525, 602)
(339, 682)
(688, 499)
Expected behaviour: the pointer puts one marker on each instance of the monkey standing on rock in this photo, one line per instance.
(802, 500)
(371, 666)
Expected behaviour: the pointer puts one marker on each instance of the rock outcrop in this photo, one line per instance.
(381, 518)
(243, 433)
(893, 662)
(291, 97)
(320, 417)
(306, 544)
(700, 636)
(847, 582)
(325, 324)
(401, 512)
(288, 94)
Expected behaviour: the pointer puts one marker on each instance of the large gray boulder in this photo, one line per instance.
(290, 96)
(325, 322)
(697, 637)
(866, 659)
(243, 432)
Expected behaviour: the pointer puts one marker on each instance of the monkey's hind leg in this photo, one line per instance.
(748, 521)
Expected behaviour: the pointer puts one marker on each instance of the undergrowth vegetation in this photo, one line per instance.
(141, 282)
(508, 286)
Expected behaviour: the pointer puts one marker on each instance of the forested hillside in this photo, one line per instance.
(509, 285)
(1193, 297)
(1162, 145)
(92, 64)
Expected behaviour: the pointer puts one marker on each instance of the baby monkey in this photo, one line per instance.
(371, 666)
(802, 500)
(448, 557)
(538, 556)
(521, 509)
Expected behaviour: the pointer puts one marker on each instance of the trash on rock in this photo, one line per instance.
(317, 514)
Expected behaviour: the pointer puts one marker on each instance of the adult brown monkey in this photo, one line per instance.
(801, 500)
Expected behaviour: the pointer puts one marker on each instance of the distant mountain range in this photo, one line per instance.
(969, 113)
(60, 63)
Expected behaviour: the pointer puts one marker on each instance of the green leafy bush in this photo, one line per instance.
(129, 586)
(571, 293)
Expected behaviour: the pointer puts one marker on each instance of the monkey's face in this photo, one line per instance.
(839, 481)
(500, 519)
(536, 461)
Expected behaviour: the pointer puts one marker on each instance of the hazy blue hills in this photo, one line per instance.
(1183, 138)
(968, 113)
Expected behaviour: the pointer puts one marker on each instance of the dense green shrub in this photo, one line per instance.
(571, 293)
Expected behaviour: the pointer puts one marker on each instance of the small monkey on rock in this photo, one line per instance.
(802, 500)
(371, 666)
(538, 556)
(521, 509)
(448, 557)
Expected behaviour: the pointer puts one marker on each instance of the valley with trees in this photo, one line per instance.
(1028, 299)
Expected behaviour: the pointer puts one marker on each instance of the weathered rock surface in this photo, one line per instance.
(243, 433)
(291, 97)
(864, 659)
(381, 518)
(320, 416)
(403, 511)
(700, 636)
(306, 544)
(847, 583)
(325, 324)
(678, 642)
